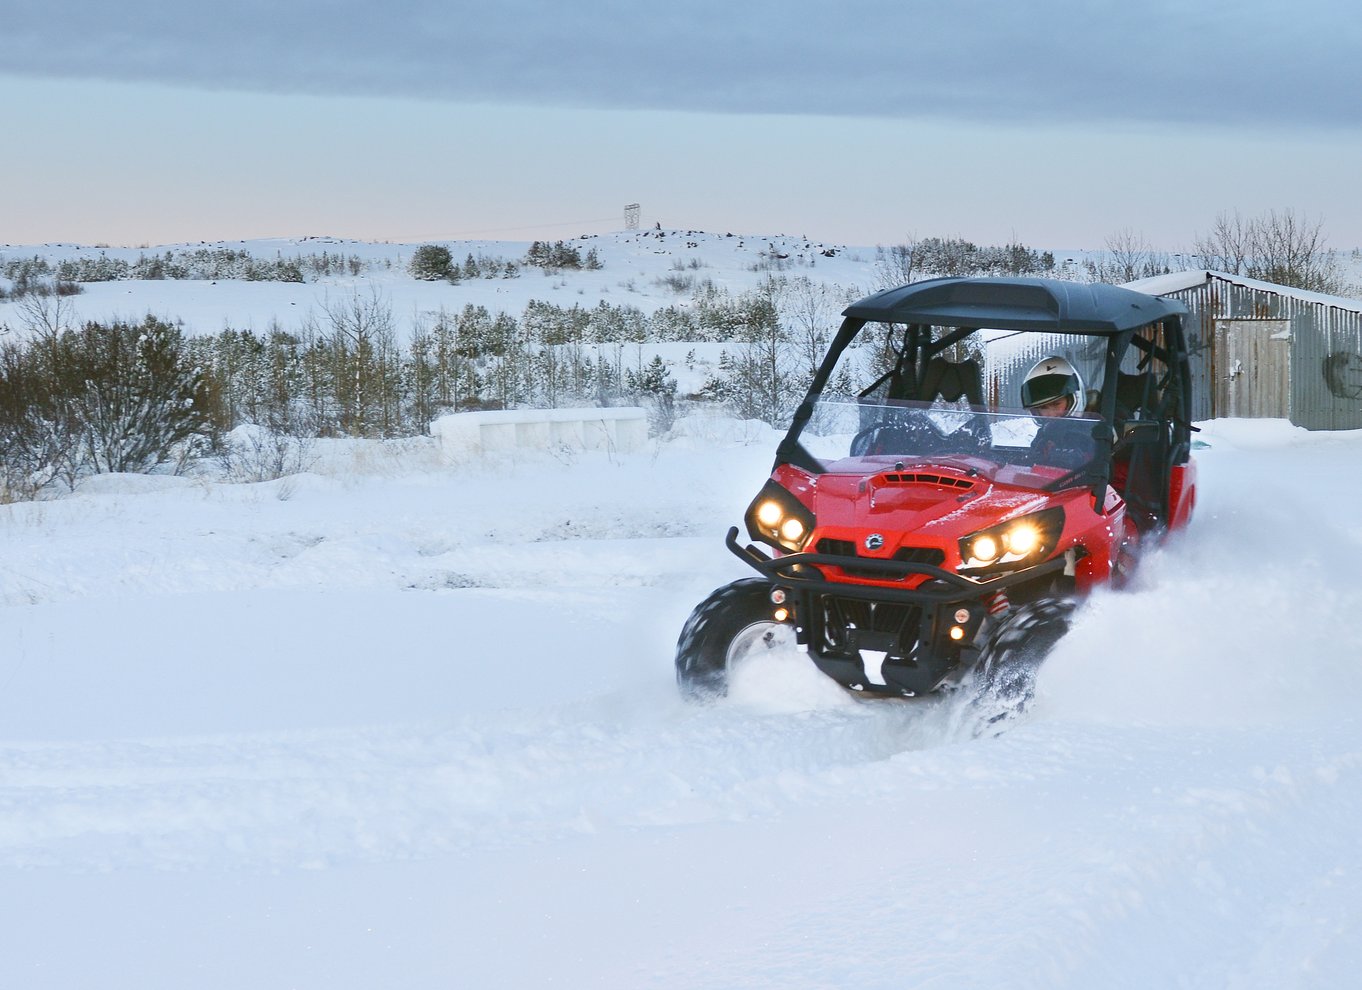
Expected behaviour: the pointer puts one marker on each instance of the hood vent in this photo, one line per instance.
(918, 478)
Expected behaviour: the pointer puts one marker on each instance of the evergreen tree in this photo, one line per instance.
(431, 263)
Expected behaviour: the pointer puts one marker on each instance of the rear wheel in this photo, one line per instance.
(726, 628)
(1013, 652)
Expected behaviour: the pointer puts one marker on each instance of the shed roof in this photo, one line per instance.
(1180, 281)
(1016, 304)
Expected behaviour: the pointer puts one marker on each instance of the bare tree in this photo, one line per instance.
(810, 309)
(1292, 251)
(1227, 247)
(46, 312)
(1281, 247)
(39, 439)
(363, 342)
(896, 265)
(764, 376)
(1130, 254)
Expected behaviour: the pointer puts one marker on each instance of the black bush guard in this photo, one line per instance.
(963, 589)
(935, 656)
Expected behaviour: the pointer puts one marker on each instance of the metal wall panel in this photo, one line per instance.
(1325, 353)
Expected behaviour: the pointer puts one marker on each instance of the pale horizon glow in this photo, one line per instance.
(186, 128)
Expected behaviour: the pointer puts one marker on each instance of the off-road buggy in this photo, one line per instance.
(921, 529)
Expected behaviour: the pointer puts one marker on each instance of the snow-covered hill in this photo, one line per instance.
(645, 269)
(394, 724)
(648, 270)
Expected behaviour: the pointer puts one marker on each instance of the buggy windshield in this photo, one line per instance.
(1009, 446)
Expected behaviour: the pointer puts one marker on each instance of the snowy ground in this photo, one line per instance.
(394, 724)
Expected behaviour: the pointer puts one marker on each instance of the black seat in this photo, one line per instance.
(951, 381)
(1135, 393)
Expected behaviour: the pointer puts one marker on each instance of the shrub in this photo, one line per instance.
(431, 263)
(558, 256)
(121, 397)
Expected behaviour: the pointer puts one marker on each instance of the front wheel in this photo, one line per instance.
(726, 628)
(1013, 652)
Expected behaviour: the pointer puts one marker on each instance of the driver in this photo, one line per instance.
(1052, 388)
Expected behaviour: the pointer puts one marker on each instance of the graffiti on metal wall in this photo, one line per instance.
(1343, 374)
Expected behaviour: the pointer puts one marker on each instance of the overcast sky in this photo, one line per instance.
(1058, 123)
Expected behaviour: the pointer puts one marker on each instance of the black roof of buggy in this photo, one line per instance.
(1016, 304)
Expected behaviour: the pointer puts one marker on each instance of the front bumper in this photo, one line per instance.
(883, 639)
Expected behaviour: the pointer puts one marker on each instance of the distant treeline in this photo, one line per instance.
(191, 263)
(932, 257)
(429, 261)
(140, 397)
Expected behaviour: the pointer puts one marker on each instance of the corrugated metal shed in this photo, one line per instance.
(1261, 349)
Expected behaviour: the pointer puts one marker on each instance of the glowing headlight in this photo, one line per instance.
(1027, 540)
(778, 518)
(769, 514)
(1021, 538)
(984, 549)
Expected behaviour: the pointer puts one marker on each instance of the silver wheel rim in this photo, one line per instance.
(755, 638)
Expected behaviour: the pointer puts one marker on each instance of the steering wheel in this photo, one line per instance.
(878, 437)
(886, 437)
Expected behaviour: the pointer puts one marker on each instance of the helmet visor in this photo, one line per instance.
(1047, 388)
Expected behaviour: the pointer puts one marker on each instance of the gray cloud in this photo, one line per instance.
(972, 60)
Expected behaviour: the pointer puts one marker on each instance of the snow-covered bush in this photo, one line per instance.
(254, 453)
(105, 398)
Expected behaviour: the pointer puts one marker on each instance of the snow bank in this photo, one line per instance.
(461, 435)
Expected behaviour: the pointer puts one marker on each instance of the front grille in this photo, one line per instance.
(836, 548)
(931, 556)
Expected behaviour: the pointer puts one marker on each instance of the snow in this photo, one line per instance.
(416, 726)
(395, 722)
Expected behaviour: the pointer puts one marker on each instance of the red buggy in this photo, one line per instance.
(921, 524)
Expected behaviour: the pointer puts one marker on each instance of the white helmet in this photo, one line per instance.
(1051, 379)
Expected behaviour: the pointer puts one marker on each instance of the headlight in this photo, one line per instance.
(984, 549)
(1027, 540)
(769, 513)
(778, 518)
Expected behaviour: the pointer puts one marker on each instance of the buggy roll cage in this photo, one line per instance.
(960, 307)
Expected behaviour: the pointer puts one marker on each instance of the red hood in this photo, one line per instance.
(922, 503)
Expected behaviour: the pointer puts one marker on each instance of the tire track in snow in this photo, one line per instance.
(326, 798)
